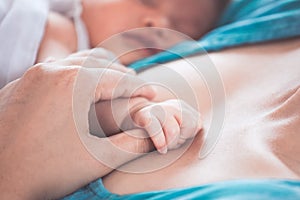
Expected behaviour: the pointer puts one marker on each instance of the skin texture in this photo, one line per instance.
(52, 142)
(169, 123)
(103, 19)
(44, 134)
(190, 17)
(259, 140)
(260, 135)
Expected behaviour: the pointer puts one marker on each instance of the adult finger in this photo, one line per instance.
(92, 62)
(119, 148)
(113, 84)
(171, 129)
(95, 53)
(94, 85)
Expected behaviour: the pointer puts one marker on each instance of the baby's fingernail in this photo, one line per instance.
(163, 150)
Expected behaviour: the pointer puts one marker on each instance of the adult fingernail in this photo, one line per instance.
(132, 71)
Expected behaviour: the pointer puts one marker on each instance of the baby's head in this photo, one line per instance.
(194, 18)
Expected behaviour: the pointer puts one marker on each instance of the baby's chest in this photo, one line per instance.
(269, 111)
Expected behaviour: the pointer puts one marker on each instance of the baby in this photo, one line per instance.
(169, 123)
(99, 20)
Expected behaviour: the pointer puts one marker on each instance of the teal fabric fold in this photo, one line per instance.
(227, 190)
(243, 22)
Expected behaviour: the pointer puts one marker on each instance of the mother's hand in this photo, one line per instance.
(45, 146)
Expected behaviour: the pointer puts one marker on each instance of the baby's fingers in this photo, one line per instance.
(157, 135)
(172, 132)
(189, 119)
(153, 126)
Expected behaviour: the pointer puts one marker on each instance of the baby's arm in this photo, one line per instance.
(169, 124)
(59, 38)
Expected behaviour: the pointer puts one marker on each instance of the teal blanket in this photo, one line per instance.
(243, 22)
(229, 190)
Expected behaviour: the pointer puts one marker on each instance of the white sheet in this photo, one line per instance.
(22, 25)
(21, 30)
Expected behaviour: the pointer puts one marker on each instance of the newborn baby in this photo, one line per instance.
(103, 19)
(169, 123)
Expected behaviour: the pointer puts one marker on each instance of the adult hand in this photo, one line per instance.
(46, 150)
(94, 58)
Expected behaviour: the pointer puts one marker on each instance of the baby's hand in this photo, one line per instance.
(169, 123)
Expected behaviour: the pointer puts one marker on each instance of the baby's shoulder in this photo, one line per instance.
(59, 34)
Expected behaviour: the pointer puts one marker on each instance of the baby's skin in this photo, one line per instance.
(169, 124)
(103, 19)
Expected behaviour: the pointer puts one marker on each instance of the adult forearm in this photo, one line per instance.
(28, 181)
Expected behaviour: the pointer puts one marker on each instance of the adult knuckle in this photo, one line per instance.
(67, 76)
(34, 73)
(78, 60)
(102, 53)
(91, 62)
(62, 77)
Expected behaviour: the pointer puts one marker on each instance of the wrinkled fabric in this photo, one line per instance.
(228, 190)
(21, 30)
(22, 26)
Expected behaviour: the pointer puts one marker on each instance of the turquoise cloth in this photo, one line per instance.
(243, 22)
(229, 190)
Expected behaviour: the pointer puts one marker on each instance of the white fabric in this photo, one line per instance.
(22, 25)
